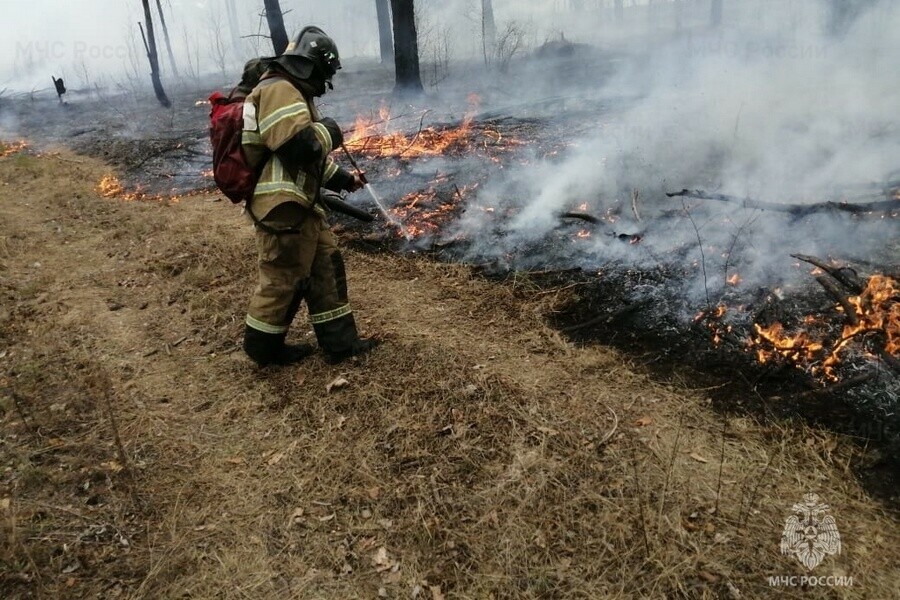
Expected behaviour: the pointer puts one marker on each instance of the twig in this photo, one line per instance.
(734, 240)
(637, 482)
(103, 386)
(17, 401)
(635, 196)
(665, 490)
(615, 426)
(721, 467)
(702, 253)
(755, 491)
(416, 137)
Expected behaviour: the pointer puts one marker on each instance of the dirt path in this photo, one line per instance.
(475, 455)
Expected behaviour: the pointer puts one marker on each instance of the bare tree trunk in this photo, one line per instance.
(162, 20)
(275, 18)
(385, 35)
(406, 48)
(153, 57)
(620, 10)
(488, 31)
(716, 13)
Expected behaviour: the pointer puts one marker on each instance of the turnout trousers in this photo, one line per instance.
(301, 262)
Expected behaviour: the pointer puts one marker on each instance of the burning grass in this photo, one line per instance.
(10, 148)
(873, 329)
(375, 139)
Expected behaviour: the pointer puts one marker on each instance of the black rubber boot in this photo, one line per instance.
(358, 348)
(340, 340)
(269, 348)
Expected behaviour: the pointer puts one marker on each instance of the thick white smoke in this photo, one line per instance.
(785, 113)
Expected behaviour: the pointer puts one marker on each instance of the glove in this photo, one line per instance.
(337, 136)
(357, 183)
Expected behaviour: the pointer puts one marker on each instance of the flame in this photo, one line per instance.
(735, 279)
(376, 140)
(10, 148)
(201, 103)
(110, 186)
(877, 311)
(423, 212)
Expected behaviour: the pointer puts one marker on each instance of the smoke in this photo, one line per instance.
(780, 110)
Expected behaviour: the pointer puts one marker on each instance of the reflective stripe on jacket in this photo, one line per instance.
(275, 112)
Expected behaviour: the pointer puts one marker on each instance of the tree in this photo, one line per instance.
(406, 47)
(716, 13)
(488, 31)
(275, 18)
(385, 35)
(162, 20)
(153, 57)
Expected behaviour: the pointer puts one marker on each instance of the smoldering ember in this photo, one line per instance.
(623, 313)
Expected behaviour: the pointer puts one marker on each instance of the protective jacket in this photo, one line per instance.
(283, 136)
(298, 255)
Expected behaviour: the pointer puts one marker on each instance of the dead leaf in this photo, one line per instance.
(374, 493)
(337, 384)
(340, 422)
(643, 422)
(5, 503)
(380, 560)
(237, 460)
(699, 458)
(436, 592)
(296, 516)
(327, 518)
(279, 456)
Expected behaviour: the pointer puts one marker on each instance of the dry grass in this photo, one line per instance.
(475, 455)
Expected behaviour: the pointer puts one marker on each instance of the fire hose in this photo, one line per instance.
(362, 176)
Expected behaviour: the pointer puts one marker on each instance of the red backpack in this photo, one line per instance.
(233, 174)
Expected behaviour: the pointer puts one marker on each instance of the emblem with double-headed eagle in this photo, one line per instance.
(810, 533)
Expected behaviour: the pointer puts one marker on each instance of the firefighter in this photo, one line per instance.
(298, 254)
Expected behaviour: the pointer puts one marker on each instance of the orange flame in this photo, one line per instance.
(10, 148)
(110, 187)
(877, 311)
(374, 139)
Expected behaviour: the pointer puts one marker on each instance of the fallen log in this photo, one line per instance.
(798, 210)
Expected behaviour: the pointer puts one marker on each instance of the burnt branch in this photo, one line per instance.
(844, 275)
(883, 206)
(840, 297)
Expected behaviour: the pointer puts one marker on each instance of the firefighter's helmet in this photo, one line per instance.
(314, 45)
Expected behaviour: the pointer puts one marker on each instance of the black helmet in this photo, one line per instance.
(320, 50)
